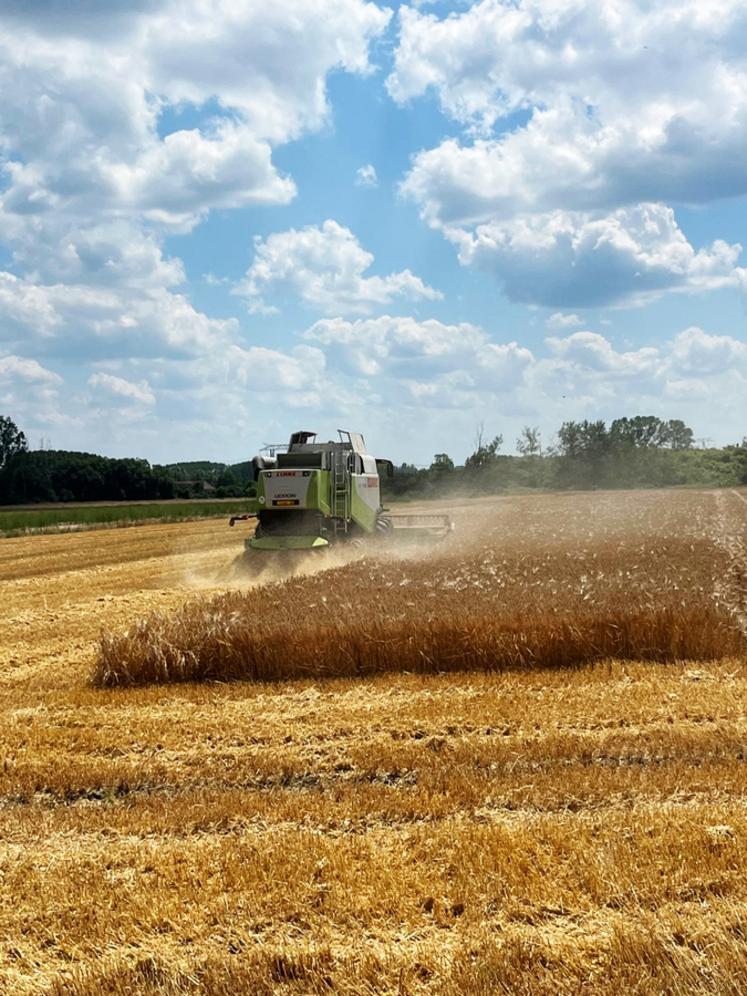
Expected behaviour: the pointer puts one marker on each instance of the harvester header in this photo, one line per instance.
(314, 495)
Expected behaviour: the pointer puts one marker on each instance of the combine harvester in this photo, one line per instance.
(317, 495)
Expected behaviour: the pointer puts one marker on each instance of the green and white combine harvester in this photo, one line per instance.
(316, 495)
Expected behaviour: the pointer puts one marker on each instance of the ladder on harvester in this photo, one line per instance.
(340, 490)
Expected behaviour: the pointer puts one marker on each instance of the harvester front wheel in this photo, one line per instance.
(384, 525)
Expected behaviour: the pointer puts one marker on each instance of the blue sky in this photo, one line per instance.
(220, 222)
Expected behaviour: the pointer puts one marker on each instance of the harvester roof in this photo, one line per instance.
(305, 442)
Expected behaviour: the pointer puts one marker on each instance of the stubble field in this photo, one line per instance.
(411, 795)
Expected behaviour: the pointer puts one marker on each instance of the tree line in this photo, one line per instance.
(28, 476)
(642, 451)
(60, 475)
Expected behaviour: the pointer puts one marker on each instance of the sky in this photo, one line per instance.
(225, 220)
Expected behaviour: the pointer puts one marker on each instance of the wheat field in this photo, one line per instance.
(435, 800)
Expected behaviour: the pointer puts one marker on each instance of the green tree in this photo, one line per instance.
(12, 440)
(586, 440)
(529, 442)
(228, 484)
(442, 464)
(583, 448)
(638, 432)
(650, 432)
(485, 453)
(678, 436)
(740, 455)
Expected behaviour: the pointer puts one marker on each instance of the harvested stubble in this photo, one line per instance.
(486, 611)
(564, 832)
(531, 833)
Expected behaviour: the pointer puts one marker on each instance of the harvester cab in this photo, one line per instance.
(312, 495)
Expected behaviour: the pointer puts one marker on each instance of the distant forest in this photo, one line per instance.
(32, 476)
(643, 451)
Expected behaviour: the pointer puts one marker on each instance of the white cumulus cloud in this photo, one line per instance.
(96, 169)
(568, 259)
(558, 320)
(80, 110)
(586, 375)
(324, 266)
(30, 393)
(366, 176)
(21, 368)
(698, 354)
(618, 107)
(139, 393)
(427, 362)
(593, 352)
(413, 365)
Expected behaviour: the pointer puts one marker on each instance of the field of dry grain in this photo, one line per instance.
(422, 828)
